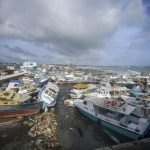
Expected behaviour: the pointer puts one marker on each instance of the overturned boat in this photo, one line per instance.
(48, 94)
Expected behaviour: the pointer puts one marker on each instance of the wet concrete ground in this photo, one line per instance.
(77, 132)
(74, 131)
(13, 133)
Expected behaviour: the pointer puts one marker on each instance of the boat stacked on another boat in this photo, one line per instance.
(137, 91)
(81, 89)
(14, 85)
(142, 105)
(30, 90)
(12, 98)
(48, 94)
(14, 104)
(106, 92)
(23, 88)
(42, 78)
(114, 114)
(24, 109)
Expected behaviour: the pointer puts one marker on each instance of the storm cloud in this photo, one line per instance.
(19, 50)
(76, 31)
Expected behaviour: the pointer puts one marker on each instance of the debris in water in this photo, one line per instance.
(3, 136)
(79, 130)
(69, 102)
(71, 129)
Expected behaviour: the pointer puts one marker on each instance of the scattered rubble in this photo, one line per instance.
(69, 102)
(43, 132)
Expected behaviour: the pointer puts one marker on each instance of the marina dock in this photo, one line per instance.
(9, 77)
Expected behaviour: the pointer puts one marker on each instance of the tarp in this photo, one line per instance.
(16, 81)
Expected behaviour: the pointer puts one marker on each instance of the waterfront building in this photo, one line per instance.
(29, 65)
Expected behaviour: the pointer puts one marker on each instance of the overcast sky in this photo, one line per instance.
(96, 32)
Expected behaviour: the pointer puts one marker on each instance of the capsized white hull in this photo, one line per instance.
(49, 101)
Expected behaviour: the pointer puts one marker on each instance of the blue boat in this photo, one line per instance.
(44, 81)
(23, 109)
(115, 115)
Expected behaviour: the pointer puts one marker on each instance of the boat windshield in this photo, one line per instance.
(49, 93)
(16, 85)
(52, 90)
(108, 113)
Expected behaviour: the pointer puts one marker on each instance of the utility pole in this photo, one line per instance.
(27, 65)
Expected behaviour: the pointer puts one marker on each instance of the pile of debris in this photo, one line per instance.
(69, 102)
(43, 132)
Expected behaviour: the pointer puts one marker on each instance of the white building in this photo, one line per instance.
(29, 65)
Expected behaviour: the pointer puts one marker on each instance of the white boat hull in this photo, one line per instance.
(50, 102)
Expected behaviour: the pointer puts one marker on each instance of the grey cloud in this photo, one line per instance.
(77, 30)
(9, 57)
(19, 50)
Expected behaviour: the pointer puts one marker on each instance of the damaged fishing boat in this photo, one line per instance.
(115, 115)
(48, 94)
(13, 104)
(23, 88)
(31, 90)
(12, 98)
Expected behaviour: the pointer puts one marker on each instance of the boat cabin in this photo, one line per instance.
(116, 112)
(51, 90)
(14, 85)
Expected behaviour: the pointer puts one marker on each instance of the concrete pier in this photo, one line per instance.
(143, 144)
(10, 77)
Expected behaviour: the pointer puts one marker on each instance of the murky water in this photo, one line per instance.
(77, 132)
